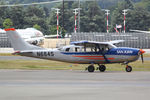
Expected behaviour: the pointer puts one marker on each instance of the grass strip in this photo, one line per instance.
(54, 65)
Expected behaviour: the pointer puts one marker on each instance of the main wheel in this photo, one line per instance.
(128, 69)
(91, 68)
(102, 68)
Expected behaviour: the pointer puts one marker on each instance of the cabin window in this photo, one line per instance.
(89, 49)
(107, 48)
(76, 49)
(67, 50)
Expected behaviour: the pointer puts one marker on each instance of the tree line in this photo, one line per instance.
(93, 18)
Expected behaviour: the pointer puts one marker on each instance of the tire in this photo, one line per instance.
(102, 68)
(91, 68)
(128, 69)
(35, 42)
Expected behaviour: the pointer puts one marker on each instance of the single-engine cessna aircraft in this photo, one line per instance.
(82, 52)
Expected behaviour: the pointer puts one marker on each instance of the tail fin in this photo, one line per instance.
(17, 42)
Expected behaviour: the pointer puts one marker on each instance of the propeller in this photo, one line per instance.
(142, 52)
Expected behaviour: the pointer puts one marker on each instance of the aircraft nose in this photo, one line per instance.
(142, 51)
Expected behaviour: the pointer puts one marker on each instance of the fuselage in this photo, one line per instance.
(113, 55)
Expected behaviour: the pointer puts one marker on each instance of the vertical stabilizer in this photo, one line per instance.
(17, 42)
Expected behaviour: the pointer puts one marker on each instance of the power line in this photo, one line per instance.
(39, 3)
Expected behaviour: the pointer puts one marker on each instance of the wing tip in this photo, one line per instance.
(10, 29)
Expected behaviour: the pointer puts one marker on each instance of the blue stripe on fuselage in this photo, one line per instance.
(113, 51)
(123, 51)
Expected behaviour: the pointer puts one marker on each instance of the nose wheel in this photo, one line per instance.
(128, 68)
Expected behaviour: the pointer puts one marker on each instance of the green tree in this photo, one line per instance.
(36, 26)
(145, 4)
(63, 32)
(117, 16)
(53, 31)
(92, 18)
(138, 19)
(68, 12)
(7, 23)
(36, 15)
(17, 16)
(3, 13)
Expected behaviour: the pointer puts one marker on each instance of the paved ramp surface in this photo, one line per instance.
(73, 85)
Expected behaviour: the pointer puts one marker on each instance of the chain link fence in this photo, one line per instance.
(134, 40)
(4, 41)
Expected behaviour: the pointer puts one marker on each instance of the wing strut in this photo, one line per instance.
(105, 57)
(103, 54)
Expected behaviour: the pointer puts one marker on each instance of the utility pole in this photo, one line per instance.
(75, 12)
(124, 13)
(79, 16)
(57, 14)
(63, 14)
(107, 13)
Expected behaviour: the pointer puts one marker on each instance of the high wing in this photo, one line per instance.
(89, 43)
(140, 31)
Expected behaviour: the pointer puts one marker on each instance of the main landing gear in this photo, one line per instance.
(128, 68)
(102, 68)
(91, 68)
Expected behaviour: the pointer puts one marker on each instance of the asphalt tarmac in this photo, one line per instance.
(73, 85)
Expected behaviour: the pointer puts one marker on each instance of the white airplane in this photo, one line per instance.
(140, 31)
(30, 35)
(81, 52)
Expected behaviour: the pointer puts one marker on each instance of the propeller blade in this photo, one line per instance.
(142, 52)
(142, 58)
